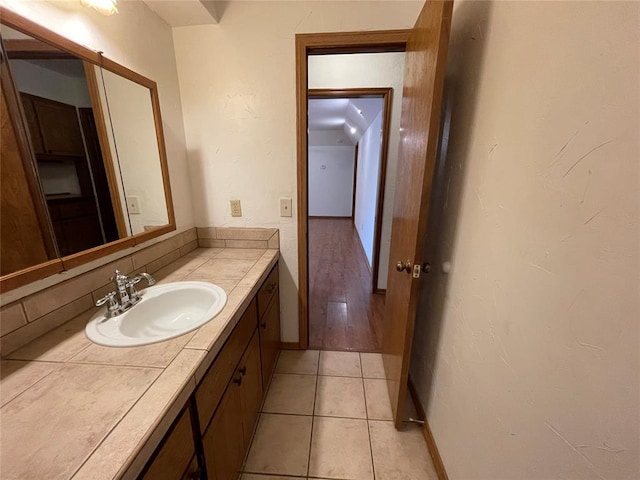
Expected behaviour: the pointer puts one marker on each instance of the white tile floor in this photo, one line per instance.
(327, 416)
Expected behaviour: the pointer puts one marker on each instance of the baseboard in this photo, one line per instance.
(428, 435)
(380, 291)
(364, 253)
(329, 217)
(289, 345)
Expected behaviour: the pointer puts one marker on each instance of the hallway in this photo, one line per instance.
(327, 416)
(343, 313)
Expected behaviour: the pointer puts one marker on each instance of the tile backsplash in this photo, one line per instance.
(30, 317)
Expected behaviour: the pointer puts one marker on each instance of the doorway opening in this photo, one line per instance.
(348, 140)
(342, 261)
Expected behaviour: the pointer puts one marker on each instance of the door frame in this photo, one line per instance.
(323, 44)
(372, 92)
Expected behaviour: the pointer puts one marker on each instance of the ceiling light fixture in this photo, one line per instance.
(353, 130)
(105, 7)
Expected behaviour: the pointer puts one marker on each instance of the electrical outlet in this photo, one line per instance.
(285, 207)
(133, 204)
(236, 208)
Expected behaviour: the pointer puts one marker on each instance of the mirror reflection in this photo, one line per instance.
(81, 165)
(133, 132)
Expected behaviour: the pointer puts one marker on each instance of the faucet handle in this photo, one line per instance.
(109, 297)
(113, 307)
(134, 295)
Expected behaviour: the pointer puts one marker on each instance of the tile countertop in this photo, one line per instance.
(74, 409)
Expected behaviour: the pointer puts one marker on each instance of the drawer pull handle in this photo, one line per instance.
(271, 288)
(243, 371)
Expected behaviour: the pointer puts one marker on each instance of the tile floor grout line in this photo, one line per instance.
(313, 417)
(320, 416)
(366, 408)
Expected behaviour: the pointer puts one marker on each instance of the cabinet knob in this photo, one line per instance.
(263, 324)
(243, 371)
(238, 380)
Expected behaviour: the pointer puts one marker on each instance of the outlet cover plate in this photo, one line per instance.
(236, 208)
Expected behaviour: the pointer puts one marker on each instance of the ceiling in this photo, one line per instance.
(340, 120)
(182, 13)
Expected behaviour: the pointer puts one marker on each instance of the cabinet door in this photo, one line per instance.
(176, 453)
(32, 124)
(270, 338)
(59, 127)
(251, 387)
(223, 441)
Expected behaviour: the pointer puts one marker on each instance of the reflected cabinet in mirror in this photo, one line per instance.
(84, 171)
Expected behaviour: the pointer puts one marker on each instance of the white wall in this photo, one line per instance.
(328, 137)
(369, 70)
(331, 187)
(526, 354)
(367, 185)
(138, 39)
(237, 81)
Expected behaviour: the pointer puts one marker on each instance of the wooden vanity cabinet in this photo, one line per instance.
(251, 388)
(269, 322)
(174, 459)
(226, 402)
(223, 442)
(227, 437)
(215, 381)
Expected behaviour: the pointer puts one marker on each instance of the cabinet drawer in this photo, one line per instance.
(215, 381)
(176, 453)
(268, 289)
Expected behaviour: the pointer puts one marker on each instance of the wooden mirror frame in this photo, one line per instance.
(36, 272)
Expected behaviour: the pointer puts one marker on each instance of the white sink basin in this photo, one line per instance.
(165, 311)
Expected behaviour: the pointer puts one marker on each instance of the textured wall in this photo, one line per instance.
(367, 186)
(526, 354)
(331, 181)
(237, 81)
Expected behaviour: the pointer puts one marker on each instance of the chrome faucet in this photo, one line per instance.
(126, 295)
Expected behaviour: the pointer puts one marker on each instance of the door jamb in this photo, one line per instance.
(319, 44)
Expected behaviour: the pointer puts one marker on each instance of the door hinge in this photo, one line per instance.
(416, 270)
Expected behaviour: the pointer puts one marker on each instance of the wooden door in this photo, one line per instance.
(419, 128)
(223, 441)
(175, 456)
(270, 338)
(22, 241)
(251, 388)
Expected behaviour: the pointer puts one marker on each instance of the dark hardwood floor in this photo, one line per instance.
(343, 313)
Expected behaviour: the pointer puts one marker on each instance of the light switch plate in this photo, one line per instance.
(285, 207)
(236, 208)
(133, 204)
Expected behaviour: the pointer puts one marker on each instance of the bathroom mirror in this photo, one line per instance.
(84, 170)
(132, 131)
